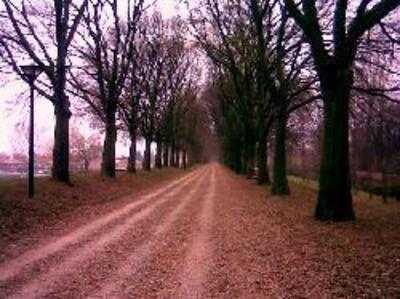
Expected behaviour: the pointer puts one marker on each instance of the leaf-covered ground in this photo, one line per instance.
(211, 233)
(55, 202)
(288, 254)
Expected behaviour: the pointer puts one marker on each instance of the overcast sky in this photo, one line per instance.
(13, 118)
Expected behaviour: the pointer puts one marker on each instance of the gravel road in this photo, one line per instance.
(159, 242)
(208, 234)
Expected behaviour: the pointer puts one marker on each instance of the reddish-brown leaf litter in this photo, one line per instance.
(210, 233)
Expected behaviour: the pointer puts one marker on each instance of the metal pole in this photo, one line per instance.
(31, 182)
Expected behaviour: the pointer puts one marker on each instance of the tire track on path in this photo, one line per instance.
(11, 268)
(198, 261)
(143, 254)
(69, 264)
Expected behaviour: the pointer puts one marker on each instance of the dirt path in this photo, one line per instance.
(208, 234)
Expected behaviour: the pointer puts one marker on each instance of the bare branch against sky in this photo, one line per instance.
(11, 89)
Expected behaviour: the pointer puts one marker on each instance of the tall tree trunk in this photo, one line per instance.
(334, 196)
(86, 165)
(159, 155)
(249, 150)
(166, 155)
(147, 155)
(382, 155)
(108, 163)
(177, 158)
(262, 162)
(132, 151)
(172, 154)
(249, 158)
(237, 161)
(184, 158)
(280, 184)
(243, 162)
(60, 168)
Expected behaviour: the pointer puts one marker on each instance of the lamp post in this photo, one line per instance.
(30, 73)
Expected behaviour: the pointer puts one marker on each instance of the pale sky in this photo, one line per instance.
(14, 118)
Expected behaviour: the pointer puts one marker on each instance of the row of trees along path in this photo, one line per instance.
(139, 73)
(131, 69)
(271, 58)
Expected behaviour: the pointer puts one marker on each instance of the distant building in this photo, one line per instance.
(12, 165)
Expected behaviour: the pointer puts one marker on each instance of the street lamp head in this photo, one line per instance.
(31, 72)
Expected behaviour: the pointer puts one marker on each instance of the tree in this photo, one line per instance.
(24, 38)
(230, 47)
(163, 74)
(129, 114)
(107, 56)
(152, 81)
(84, 149)
(183, 71)
(374, 131)
(260, 51)
(334, 66)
